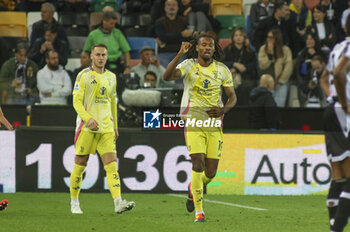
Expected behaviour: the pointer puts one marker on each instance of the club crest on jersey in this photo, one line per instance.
(102, 90)
(206, 83)
(94, 82)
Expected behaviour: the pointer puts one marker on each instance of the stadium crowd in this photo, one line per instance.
(289, 40)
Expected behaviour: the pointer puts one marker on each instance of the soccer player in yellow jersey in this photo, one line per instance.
(94, 100)
(203, 76)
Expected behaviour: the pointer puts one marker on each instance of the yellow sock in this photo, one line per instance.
(113, 180)
(197, 190)
(206, 180)
(75, 180)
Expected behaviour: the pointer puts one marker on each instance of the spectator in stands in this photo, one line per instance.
(330, 12)
(301, 16)
(311, 94)
(241, 60)
(38, 29)
(117, 25)
(263, 112)
(171, 30)
(324, 30)
(150, 80)
(149, 62)
(303, 61)
(85, 62)
(114, 40)
(49, 42)
(54, 83)
(259, 10)
(195, 12)
(276, 59)
(280, 19)
(18, 78)
(7, 5)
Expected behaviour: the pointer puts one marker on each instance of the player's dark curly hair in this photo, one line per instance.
(192, 53)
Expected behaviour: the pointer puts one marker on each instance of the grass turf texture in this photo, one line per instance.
(162, 212)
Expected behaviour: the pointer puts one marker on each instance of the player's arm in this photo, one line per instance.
(171, 72)
(78, 98)
(340, 71)
(324, 82)
(231, 102)
(4, 121)
(114, 109)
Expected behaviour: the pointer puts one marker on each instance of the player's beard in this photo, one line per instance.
(207, 59)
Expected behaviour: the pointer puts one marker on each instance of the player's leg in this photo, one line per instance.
(198, 165)
(211, 166)
(196, 145)
(76, 179)
(343, 212)
(106, 147)
(83, 145)
(335, 189)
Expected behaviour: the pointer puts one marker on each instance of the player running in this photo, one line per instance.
(94, 100)
(203, 76)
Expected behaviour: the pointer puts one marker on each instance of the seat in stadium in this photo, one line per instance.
(136, 43)
(95, 19)
(231, 21)
(76, 45)
(225, 7)
(13, 24)
(72, 63)
(75, 24)
(224, 42)
(225, 33)
(137, 31)
(33, 17)
(98, 5)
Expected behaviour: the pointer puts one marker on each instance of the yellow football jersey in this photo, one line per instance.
(94, 96)
(202, 86)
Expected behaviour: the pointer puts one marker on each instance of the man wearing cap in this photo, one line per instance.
(149, 62)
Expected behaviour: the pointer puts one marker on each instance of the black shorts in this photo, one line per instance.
(337, 143)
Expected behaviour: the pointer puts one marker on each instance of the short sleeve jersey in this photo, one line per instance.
(96, 91)
(338, 51)
(202, 85)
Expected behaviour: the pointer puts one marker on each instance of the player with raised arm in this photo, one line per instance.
(203, 76)
(94, 100)
(337, 128)
(3, 120)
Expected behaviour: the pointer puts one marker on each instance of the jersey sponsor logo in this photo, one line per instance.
(151, 119)
(76, 87)
(94, 82)
(102, 90)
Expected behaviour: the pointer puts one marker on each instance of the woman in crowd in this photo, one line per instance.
(276, 59)
(241, 60)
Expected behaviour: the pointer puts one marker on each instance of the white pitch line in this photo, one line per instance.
(223, 203)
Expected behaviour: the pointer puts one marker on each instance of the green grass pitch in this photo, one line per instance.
(163, 212)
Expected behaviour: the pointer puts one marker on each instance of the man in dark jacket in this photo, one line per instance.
(263, 113)
(41, 46)
(280, 19)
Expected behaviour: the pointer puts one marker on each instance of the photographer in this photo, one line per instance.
(311, 94)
